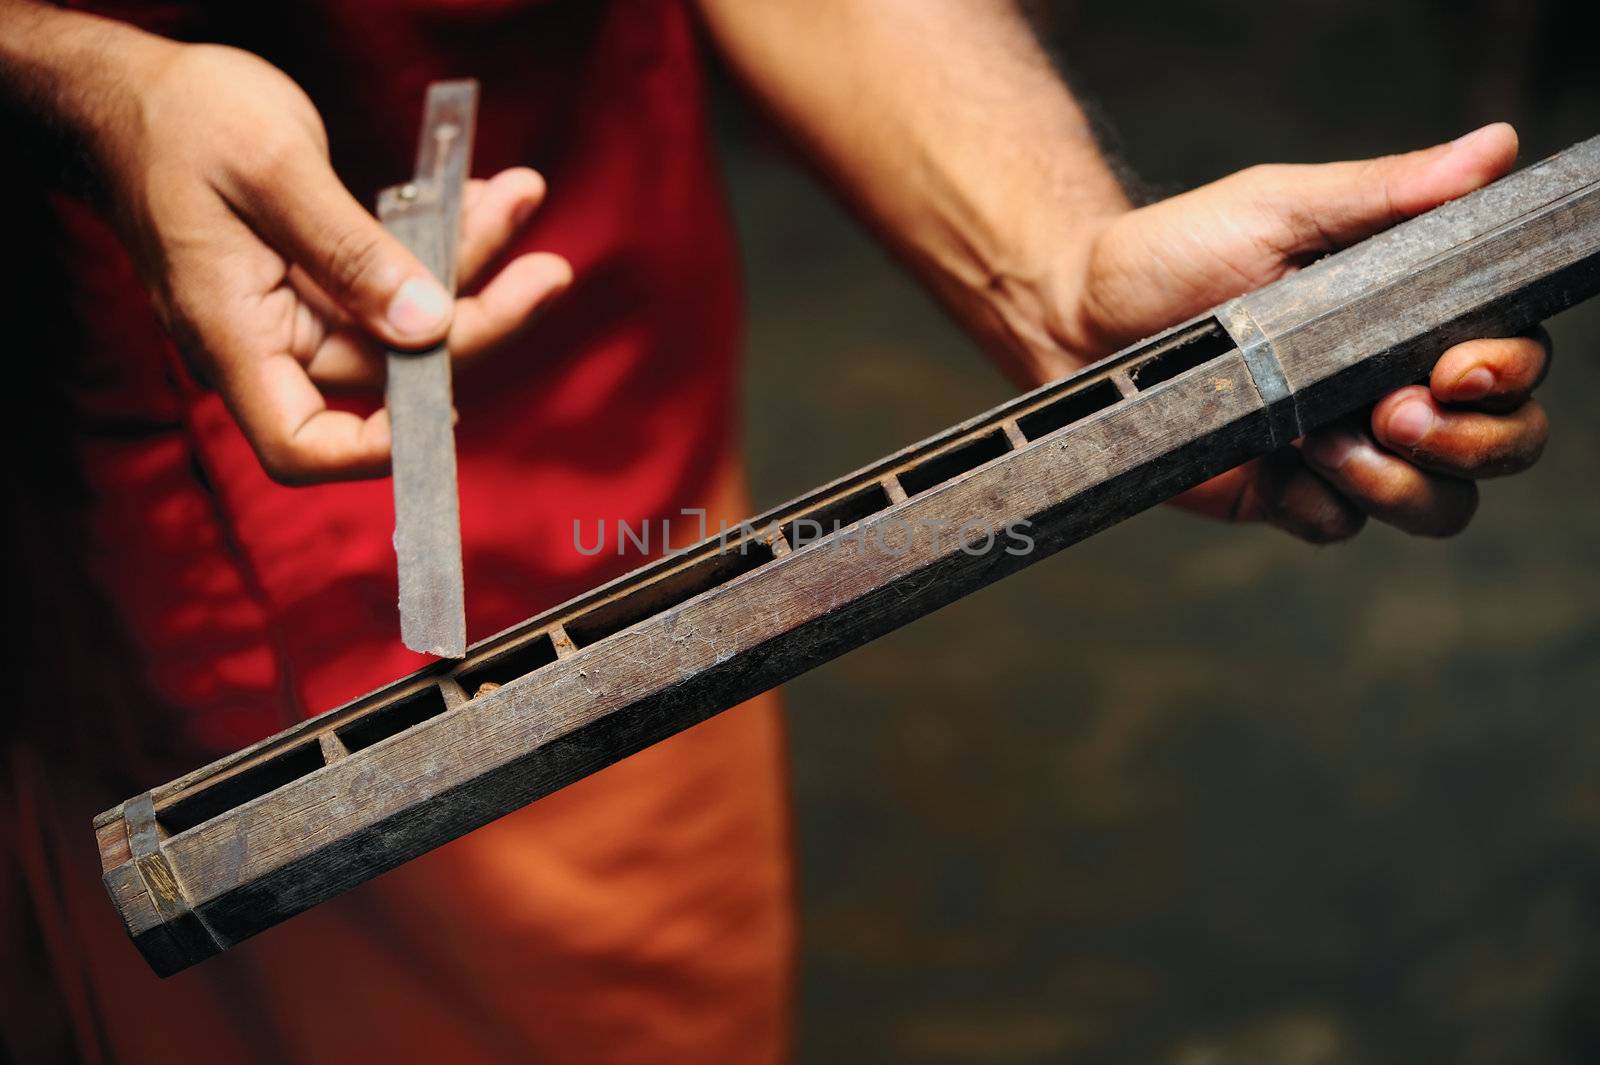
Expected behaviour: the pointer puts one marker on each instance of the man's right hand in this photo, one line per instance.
(271, 277)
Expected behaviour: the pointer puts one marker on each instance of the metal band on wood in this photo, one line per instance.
(187, 931)
(1283, 412)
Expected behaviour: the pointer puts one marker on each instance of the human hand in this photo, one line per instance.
(272, 279)
(1413, 461)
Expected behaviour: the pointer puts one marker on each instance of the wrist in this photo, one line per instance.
(1035, 300)
(80, 76)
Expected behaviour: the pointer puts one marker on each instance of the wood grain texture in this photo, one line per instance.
(334, 801)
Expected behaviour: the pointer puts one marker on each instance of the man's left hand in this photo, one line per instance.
(1414, 460)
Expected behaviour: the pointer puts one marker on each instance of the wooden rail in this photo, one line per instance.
(207, 860)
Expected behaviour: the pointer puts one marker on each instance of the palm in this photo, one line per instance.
(1152, 268)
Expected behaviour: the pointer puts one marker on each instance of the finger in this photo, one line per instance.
(505, 306)
(1223, 497)
(493, 211)
(299, 206)
(471, 194)
(1459, 443)
(1308, 508)
(1328, 206)
(507, 303)
(348, 361)
(491, 220)
(1389, 488)
(1288, 495)
(294, 434)
(1493, 374)
(317, 302)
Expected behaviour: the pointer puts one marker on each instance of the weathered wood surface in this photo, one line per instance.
(229, 850)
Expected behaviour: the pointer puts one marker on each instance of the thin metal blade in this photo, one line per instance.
(425, 216)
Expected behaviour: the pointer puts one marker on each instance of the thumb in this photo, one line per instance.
(1329, 206)
(308, 215)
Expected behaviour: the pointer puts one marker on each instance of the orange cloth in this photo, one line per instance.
(641, 915)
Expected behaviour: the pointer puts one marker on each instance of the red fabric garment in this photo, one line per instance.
(619, 404)
(641, 915)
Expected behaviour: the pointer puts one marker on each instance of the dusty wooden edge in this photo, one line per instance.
(1361, 331)
(549, 622)
(1385, 256)
(531, 736)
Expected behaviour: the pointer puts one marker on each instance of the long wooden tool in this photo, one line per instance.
(201, 863)
(425, 214)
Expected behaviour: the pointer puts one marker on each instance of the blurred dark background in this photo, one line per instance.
(1192, 794)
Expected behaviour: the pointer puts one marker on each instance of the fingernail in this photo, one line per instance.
(1474, 384)
(419, 307)
(1333, 450)
(1409, 424)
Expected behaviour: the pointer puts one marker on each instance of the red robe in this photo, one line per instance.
(187, 605)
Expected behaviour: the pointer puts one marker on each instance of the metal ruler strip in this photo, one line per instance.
(425, 214)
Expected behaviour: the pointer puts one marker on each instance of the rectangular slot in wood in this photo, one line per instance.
(664, 593)
(236, 790)
(1064, 410)
(948, 465)
(830, 517)
(508, 665)
(391, 720)
(1183, 352)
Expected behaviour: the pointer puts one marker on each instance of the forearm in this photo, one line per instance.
(71, 75)
(944, 124)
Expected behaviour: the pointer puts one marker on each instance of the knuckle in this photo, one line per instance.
(1262, 176)
(283, 463)
(1447, 517)
(274, 153)
(1524, 454)
(352, 257)
(1269, 189)
(1518, 360)
(1507, 448)
(1302, 228)
(1378, 175)
(1340, 525)
(1434, 507)
(1374, 173)
(270, 157)
(1536, 429)
(1328, 530)
(1257, 187)
(1389, 493)
(1310, 510)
